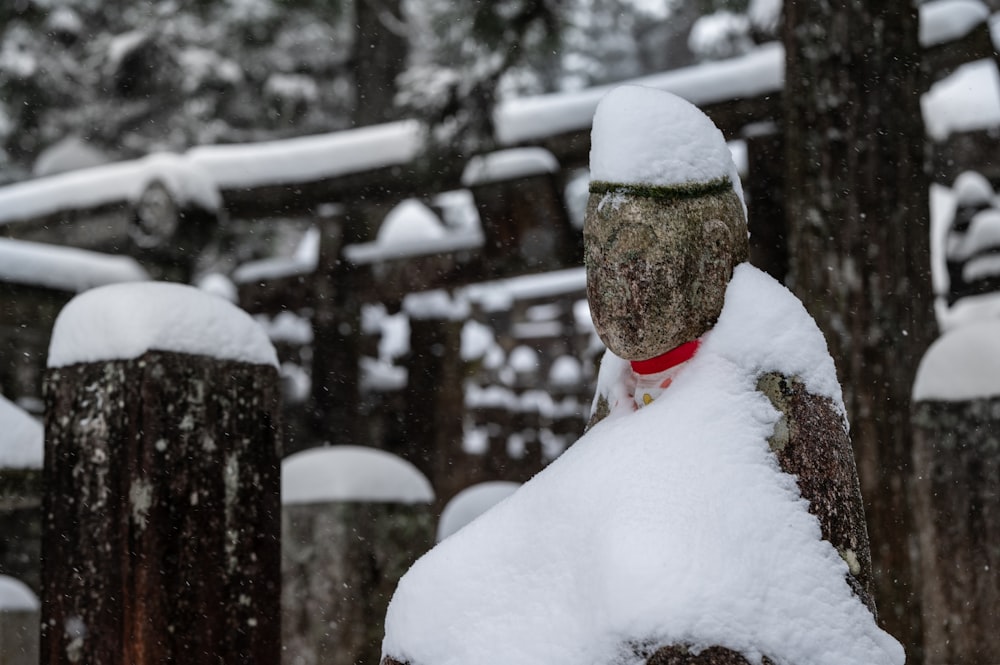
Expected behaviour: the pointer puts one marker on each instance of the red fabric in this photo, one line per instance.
(671, 358)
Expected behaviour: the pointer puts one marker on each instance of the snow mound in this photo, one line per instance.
(470, 503)
(23, 438)
(508, 165)
(303, 262)
(410, 221)
(351, 473)
(983, 233)
(651, 137)
(124, 321)
(972, 188)
(948, 20)
(16, 596)
(968, 310)
(965, 101)
(671, 525)
(962, 364)
(64, 268)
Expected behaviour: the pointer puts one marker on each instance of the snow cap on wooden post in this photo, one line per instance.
(162, 510)
(19, 621)
(956, 419)
(354, 519)
(665, 222)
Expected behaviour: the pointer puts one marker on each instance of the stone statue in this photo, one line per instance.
(708, 358)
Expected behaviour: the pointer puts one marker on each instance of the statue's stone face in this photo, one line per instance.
(657, 270)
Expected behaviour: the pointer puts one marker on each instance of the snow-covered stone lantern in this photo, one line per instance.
(714, 516)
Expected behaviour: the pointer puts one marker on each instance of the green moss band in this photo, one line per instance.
(689, 190)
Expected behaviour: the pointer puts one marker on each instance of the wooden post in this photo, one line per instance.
(161, 512)
(354, 520)
(956, 418)
(434, 396)
(18, 623)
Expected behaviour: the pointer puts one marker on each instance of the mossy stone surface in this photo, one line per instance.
(657, 269)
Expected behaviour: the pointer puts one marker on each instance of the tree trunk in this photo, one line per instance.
(859, 247)
(162, 512)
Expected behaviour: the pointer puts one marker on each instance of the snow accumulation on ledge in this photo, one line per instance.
(351, 474)
(124, 321)
(122, 181)
(670, 525)
(23, 438)
(64, 268)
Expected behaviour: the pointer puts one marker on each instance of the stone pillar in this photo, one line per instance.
(162, 513)
(354, 520)
(524, 218)
(20, 494)
(18, 623)
(956, 463)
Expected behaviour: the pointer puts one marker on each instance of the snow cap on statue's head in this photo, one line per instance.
(649, 137)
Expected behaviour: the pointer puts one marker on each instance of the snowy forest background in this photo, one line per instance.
(85, 83)
(131, 78)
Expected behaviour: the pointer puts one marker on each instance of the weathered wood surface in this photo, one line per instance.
(340, 565)
(435, 405)
(956, 458)
(162, 515)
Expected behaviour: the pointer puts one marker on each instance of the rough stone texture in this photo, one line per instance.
(657, 271)
(956, 460)
(340, 565)
(21, 525)
(811, 442)
(162, 515)
(19, 637)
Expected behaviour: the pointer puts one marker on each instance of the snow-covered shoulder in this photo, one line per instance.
(23, 438)
(351, 473)
(963, 364)
(124, 321)
(765, 328)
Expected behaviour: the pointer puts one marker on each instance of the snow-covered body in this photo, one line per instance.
(673, 525)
